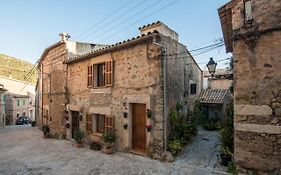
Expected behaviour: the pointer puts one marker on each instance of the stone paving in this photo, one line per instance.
(23, 151)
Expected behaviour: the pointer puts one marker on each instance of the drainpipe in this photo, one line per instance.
(165, 92)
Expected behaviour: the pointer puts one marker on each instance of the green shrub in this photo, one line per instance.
(183, 129)
(231, 168)
(175, 145)
(109, 137)
(95, 146)
(79, 136)
(211, 124)
(46, 129)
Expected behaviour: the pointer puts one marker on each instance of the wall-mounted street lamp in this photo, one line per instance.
(212, 66)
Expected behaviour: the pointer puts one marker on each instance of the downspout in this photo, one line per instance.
(164, 68)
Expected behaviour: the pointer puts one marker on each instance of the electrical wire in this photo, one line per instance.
(112, 20)
(126, 20)
(149, 15)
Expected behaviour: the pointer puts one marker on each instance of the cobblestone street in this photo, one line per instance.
(24, 151)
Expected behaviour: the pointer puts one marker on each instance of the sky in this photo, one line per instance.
(27, 27)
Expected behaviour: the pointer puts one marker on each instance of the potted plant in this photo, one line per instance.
(108, 138)
(225, 157)
(148, 113)
(79, 137)
(125, 126)
(46, 131)
(148, 127)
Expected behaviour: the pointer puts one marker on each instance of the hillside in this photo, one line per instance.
(17, 69)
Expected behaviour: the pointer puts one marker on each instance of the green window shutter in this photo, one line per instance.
(18, 102)
(23, 102)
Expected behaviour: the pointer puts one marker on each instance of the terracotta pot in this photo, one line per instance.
(225, 159)
(79, 145)
(107, 150)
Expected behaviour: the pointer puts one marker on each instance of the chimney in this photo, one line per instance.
(64, 36)
(161, 28)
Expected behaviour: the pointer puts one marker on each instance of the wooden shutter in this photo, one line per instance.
(89, 125)
(108, 73)
(90, 76)
(108, 123)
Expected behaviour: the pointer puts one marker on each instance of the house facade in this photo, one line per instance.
(222, 79)
(252, 32)
(51, 87)
(18, 106)
(118, 85)
(215, 102)
(2, 106)
(19, 100)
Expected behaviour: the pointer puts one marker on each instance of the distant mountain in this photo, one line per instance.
(17, 69)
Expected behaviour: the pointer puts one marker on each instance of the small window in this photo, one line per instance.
(98, 123)
(23, 102)
(192, 88)
(100, 75)
(18, 101)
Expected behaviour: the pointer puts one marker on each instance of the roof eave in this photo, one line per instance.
(114, 47)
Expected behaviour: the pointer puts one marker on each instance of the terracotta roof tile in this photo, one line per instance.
(213, 96)
(110, 46)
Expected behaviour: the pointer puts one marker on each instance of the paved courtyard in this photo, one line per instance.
(23, 151)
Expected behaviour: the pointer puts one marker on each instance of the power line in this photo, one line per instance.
(200, 53)
(205, 47)
(103, 19)
(126, 20)
(154, 12)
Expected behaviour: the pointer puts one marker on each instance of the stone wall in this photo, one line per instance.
(257, 87)
(53, 74)
(137, 79)
(219, 83)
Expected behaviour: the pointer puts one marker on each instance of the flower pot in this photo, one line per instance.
(79, 145)
(125, 114)
(107, 150)
(125, 126)
(148, 113)
(225, 159)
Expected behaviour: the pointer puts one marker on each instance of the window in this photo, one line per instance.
(23, 102)
(192, 88)
(99, 123)
(18, 101)
(100, 75)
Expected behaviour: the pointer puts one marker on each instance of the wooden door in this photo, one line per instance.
(75, 122)
(139, 130)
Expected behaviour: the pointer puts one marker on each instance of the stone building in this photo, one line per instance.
(215, 102)
(222, 79)
(2, 106)
(118, 85)
(18, 105)
(252, 32)
(19, 99)
(51, 87)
